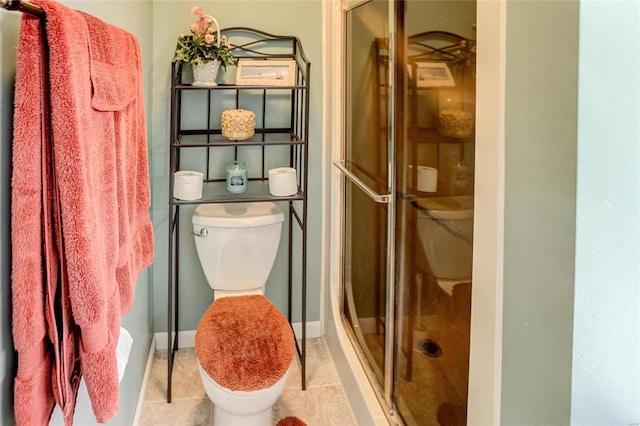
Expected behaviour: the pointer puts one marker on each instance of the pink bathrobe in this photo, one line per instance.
(81, 231)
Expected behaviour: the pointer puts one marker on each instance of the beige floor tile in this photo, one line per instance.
(320, 368)
(184, 412)
(322, 404)
(317, 406)
(185, 382)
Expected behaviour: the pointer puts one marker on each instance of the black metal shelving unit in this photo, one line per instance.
(293, 135)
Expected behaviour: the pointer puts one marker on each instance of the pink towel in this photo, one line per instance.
(34, 400)
(99, 197)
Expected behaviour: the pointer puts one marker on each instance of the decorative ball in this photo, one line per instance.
(238, 124)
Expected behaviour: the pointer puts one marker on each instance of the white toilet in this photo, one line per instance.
(244, 344)
(445, 230)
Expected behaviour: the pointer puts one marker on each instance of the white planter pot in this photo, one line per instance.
(204, 74)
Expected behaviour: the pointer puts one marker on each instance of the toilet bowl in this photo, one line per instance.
(244, 345)
(445, 231)
(242, 408)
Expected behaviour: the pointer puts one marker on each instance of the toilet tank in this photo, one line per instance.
(445, 231)
(237, 243)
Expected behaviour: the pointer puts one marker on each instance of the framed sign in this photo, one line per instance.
(265, 73)
(433, 74)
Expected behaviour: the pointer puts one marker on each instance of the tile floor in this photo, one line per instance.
(322, 404)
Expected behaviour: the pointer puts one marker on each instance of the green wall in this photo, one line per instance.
(539, 228)
(571, 324)
(606, 344)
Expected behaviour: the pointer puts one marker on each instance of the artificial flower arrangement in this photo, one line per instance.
(205, 43)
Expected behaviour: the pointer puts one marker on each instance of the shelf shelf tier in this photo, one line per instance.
(257, 191)
(277, 128)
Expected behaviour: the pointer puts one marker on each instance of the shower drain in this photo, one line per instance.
(431, 348)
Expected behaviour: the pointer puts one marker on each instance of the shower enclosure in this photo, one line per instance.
(407, 201)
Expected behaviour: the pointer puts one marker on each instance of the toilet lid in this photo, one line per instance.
(244, 343)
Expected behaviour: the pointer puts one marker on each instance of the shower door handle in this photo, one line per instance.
(378, 198)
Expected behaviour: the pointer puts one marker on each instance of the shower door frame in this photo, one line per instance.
(385, 395)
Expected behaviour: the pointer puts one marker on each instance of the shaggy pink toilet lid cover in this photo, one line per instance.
(244, 343)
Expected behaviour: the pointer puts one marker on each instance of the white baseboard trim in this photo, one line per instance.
(314, 329)
(187, 338)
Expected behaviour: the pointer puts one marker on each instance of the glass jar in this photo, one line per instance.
(237, 177)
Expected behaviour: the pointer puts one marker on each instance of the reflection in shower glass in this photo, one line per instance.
(434, 213)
